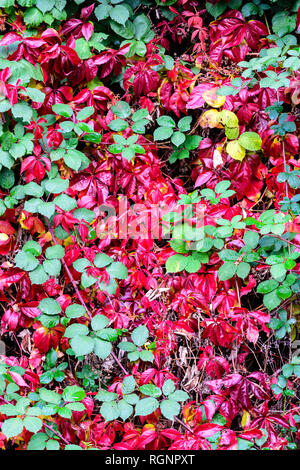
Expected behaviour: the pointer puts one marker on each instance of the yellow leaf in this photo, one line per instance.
(228, 118)
(235, 150)
(231, 132)
(210, 118)
(3, 237)
(245, 419)
(210, 97)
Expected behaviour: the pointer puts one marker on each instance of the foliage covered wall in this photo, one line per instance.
(149, 224)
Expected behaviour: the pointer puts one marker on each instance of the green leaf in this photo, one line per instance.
(33, 17)
(192, 142)
(127, 346)
(55, 252)
(102, 348)
(250, 141)
(184, 124)
(168, 387)
(162, 133)
(75, 406)
(278, 271)
(102, 10)
(179, 395)
(32, 423)
(45, 5)
(227, 271)
(35, 94)
(271, 300)
(176, 263)
(104, 395)
(177, 138)
(125, 410)
(85, 113)
(65, 202)
(82, 345)
(73, 159)
(38, 275)
(72, 446)
(23, 111)
(101, 260)
(217, 9)
(267, 286)
(243, 270)
(26, 261)
(251, 239)
(46, 208)
(166, 121)
(170, 408)
(151, 390)
(146, 356)
(73, 393)
(83, 50)
(7, 178)
(75, 311)
(117, 270)
(128, 385)
(37, 441)
(118, 125)
(119, 13)
(52, 267)
(99, 322)
(56, 185)
(6, 159)
(228, 255)
(76, 329)
(146, 406)
(121, 109)
(87, 280)
(33, 189)
(109, 411)
(12, 427)
(49, 306)
(140, 335)
(132, 399)
(62, 109)
(49, 396)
